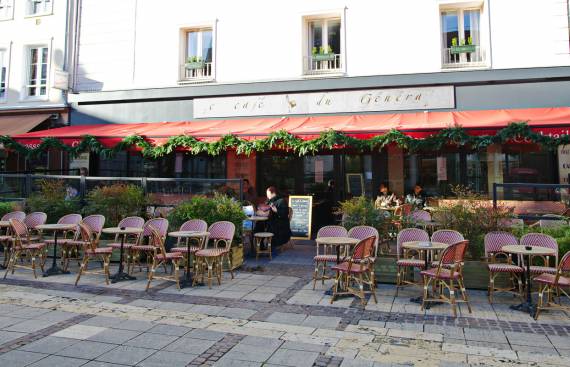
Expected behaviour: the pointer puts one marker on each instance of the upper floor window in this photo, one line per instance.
(324, 42)
(198, 54)
(39, 7)
(37, 72)
(461, 38)
(3, 73)
(6, 7)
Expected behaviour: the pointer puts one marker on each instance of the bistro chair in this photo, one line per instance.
(7, 238)
(447, 236)
(500, 262)
(356, 272)
(362, 232)
(326, 254)
(197, 225)
(91, 250)
(140, 249)
(262, 241)
(446, 276)
(129, 240)
(23, 246)
(161, 258)
(35, 219)
(401, 215)
(553, 285)
(541, 240)
(211, 260)
(70, 248)
(404, 262)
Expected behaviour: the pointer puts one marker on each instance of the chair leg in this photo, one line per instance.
(539, 306)
(426, 285)
(398, 280)
(335, 286)
(151, 273)
(82, 268)
(361, 294)
(452, 297)
(491, 287)
(315, 275)
(176, 273)
(373, 286)
(106, 262)
(229, 264)
(464, 293)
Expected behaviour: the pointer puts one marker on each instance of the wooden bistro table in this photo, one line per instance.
(425, 248)
(337, 242)
(254, 219)
(55, 228)
(123, 232)
(201, 236)
(529, 251)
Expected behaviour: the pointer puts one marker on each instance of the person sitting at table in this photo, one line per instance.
(385, 198)
(278, 222)
(417, 198)
(249, 192)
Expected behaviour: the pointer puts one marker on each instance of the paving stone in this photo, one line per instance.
(169, 330)
(8, 321)
(237, 313)
(294, 358)
(560, 341)
(86, 349)
(114, 336)
(134, 325)
(102, 364)
(170, 359)
(485, 335)
(190, 345)
(7, 336)
(18, 358)
(49, 345)
(80, 332)
(252, 353)
(446, 331)
(208, 310)
(101, 321)
(534, 349)
(125, 354)
(404, 326)
(356, 362)
(327, 322)
(30, 326)
(205, 334)
(228, 362)
(59, 361)
(527, 339)
(28, 312)
(292, 345)
(57, 316)
(151, 341)
(261, 342)
(286, 318)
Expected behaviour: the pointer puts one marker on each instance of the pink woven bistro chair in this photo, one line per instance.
(91, 251)
(24, 247)
(363, 232)
(404, 259)
(500, 262)
(555, 286)
(161, 258)
(326, 254)
(144, 248)
(446, 276)
(19, 215)
(541, 240)
(67, 236)
(210, 260)
(420, 216)
(7, 238)
(447, 236)
(70, 249)
(197, 225)
(130, 240)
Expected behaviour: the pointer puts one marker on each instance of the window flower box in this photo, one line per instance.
(324, 57)
(463, 49)
(193, 65)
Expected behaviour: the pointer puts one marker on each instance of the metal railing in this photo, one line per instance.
(323, 64)
(197, 73)
(463, 59)
(535, 192)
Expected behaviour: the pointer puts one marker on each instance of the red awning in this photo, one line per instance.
(417, 124)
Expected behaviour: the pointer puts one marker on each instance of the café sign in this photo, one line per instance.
(371, 100)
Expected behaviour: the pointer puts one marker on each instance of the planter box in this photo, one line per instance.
(520, 207)
(324, 57)
(236, 257)
(463, 49)
(194, 65)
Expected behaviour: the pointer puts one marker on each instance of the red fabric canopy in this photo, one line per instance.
(417, 124)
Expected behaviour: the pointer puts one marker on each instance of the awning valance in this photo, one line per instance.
(20, 124)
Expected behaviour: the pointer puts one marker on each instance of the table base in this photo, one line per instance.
(121, 277)
(525, 307)
(55, 270)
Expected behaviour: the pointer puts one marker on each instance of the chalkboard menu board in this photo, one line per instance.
(355, 184)
(302, 207)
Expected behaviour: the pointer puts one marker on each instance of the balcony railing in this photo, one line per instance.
(469, 56)
(196, 71)
(323, 64)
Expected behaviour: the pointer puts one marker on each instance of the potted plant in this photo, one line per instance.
(194, 62)
(323, 54)
(463, 47)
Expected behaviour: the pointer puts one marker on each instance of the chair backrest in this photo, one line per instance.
(160, 224)
(132, 222)
(19, 230)
(494, 241)
(35, 219)
(420, 215)
(14, 215)
(454, 254)
(70, 219)
(364, 249)
(197, 225)
(408, 235)
(332, 231)
(362, 232)
(564, 266)
(95, 222)
(87, 236)
(541, 240)
(156, 239)
(447, 236)
(222, 231)
(403, 210)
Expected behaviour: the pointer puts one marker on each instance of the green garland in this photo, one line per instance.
(284, 140)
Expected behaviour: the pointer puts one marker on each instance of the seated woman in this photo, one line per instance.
(385, 198)
(417, 198)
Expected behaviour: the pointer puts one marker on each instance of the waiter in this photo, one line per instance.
(278, 222)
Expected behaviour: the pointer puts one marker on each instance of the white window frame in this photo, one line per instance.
(460, 7)
(27, 84)
(47, 5)
(6, 50)
(183, 30)
(7, 13)
(306, 18)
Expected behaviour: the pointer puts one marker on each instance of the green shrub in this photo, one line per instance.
(7, 207)
(560, 234)
(116, 202)
(210, 209)
(53, 199)
(360, 211)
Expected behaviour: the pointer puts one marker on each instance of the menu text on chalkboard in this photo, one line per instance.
(302, 207)
(355, 184)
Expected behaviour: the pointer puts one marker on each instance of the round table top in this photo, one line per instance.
(4, 223)
(424, 245)
(56, 227)
(535, 250)
(337, 240)
(126, 230)
(257, 218)
(188, 234)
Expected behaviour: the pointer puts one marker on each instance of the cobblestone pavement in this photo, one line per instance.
(269, 317)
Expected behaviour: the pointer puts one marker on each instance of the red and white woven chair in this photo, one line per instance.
(420, 215)
(554, 286)
(404, 259)
(140, 250)
(70, 248)
(91, 251)
(130, 240)
(500, 262)
(197, 225)
(446, 276)
(326, 254)
(363, 232)
(210, 260)
(161, 258)
(356, 272)
(7, 238)
(67, 236)
(23, 246)
(447, 236)
(541, 240)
